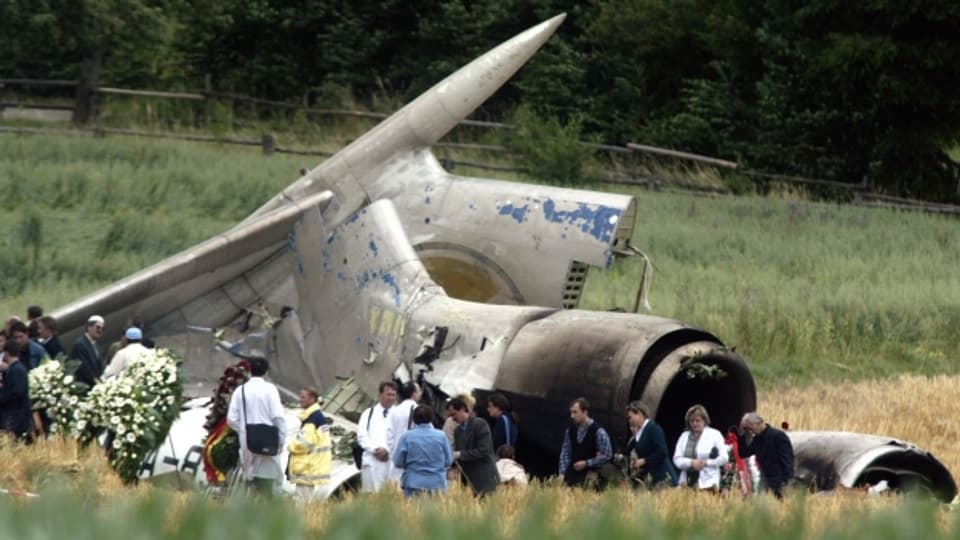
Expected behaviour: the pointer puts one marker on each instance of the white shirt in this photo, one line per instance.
(640, 431)
(124, 358)
(263, 406)
(374, 437)
(710, 474)
(398, 423)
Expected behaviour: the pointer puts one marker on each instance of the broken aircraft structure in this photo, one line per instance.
(396, 268)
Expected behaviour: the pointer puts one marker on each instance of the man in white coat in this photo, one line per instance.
(399, 421)
(372, 436)
(258, 402)
(125, 357)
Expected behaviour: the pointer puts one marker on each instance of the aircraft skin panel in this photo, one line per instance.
(531, 234)
(829, 458)
(367, 300)
(155, 290)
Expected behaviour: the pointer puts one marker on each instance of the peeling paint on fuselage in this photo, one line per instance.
(599, 222)
(364, 279)
(519, 213)
(292, 246)
(373, 248)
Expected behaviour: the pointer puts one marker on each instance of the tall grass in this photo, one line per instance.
(802, 289)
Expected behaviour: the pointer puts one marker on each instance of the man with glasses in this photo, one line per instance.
(85, 350)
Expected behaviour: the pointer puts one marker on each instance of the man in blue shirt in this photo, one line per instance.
(424, 454)
(586, 446)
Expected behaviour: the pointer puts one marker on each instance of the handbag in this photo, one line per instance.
(262, 439)
(356, 448)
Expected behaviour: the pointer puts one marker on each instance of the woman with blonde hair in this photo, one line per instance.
(701, 451)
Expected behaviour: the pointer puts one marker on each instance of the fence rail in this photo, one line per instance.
(861, 195)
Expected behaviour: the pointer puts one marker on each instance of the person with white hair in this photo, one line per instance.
(773, 450)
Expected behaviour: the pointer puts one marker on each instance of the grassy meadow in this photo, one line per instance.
(848, 317)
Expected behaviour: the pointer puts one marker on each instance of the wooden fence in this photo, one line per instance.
(629, 175)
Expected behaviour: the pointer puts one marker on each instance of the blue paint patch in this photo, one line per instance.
(292, 246)
(600, 222)
(353, 217)
(426, 200)
(373, 248)
(341, 276)
(519, 213)
(326, 260)
(391, 280)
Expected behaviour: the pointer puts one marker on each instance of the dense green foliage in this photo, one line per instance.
(838, 90)
(804, 290)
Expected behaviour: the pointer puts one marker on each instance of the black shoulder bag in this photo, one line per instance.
(262, 439)
(357, 449)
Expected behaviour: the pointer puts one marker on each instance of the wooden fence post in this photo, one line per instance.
(86, 106)
(268, 143)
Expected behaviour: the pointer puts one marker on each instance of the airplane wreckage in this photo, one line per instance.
(395, 268)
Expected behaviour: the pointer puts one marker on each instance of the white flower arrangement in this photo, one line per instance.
(54, 389)
(136, 408)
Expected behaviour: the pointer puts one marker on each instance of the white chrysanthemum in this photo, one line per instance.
(131, 438)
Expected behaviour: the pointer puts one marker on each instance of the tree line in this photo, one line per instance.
(819, 88)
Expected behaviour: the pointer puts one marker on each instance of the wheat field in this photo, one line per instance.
(915, 408)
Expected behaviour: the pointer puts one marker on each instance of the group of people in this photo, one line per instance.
(25, 345)
(400, 443)
(698, 457)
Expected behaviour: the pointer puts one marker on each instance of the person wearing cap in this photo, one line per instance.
(125, 357)
(85, 350)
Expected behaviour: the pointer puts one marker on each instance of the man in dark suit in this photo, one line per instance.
(47, 332)
(473, 449)
(649, 461)
(15, 414)
(773, 450)
(85, 350)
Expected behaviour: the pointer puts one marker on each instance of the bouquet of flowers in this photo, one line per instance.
(135, 408)
(221, 449)
(54, 389)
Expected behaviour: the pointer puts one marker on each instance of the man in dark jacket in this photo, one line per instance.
(85, 350)
(15, 414)
(473, 449)
(47, 331)
(773, 450)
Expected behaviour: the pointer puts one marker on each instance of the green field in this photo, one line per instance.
(803, 290)
(544, 514)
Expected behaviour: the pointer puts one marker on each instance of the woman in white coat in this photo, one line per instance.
(701, 452)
